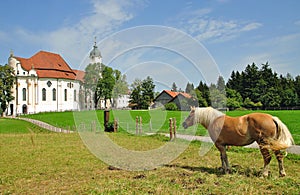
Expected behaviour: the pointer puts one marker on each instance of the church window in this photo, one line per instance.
(75, 95)
(66, 95)
(24, 94)
(54, 94)
(49, 83)
(43, 94)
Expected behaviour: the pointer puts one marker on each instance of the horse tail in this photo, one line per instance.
(283, 136)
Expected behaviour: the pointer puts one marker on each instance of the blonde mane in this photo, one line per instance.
(206, 115)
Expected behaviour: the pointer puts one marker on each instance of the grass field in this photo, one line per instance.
(155, 120)
(36, 161)
(56, 163)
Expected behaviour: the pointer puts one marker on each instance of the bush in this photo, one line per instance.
(171, 106)
(109, 127)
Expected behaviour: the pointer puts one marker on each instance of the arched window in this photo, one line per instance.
(24, 94)
(75, 95)
(43, 94)
(54, 94)
(66, 95)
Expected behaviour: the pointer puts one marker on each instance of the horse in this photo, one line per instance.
(268, 131)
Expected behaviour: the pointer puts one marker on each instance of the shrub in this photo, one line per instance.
(171, 106)
(109, 127)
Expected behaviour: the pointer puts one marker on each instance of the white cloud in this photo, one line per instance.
(74, 42)
(297, 23)
(251, 26)
(199, 24)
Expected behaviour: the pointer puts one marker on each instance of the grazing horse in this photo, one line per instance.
(268, 131)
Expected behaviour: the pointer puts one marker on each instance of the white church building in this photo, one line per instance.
(46, 83)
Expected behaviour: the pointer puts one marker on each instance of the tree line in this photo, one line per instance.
(252, 88)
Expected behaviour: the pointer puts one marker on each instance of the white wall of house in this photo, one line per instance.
(33, 94)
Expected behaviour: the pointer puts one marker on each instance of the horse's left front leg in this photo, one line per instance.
(280, 156)
(224, 159)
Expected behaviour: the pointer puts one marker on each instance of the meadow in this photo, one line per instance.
(154, 121)
(36, 161)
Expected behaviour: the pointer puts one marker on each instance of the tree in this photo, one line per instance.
(189, 87)
(174, 87)
(218, 99)
(251, 78)
(91, 77)
(6, 84)
(205, 93)
(136, 94)
(121, 86)
(297, 87)
(106, 84)
(234, 99)
(221, 85)
(201, 100)
(142, 93)
(147, 92)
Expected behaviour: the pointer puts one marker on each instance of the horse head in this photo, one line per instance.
(190, 120)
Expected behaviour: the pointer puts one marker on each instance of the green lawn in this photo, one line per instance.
(17, 126)
(36, 161)
(56, 163)
(154, 120)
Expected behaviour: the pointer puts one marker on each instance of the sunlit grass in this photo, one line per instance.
(55, 163)
(154, 121)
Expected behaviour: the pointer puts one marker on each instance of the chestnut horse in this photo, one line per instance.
(268, 131)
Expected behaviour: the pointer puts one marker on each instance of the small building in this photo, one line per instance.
(181, 99)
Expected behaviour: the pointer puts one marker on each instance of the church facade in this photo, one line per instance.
(44, 83)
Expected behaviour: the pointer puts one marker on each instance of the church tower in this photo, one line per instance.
(95, 55)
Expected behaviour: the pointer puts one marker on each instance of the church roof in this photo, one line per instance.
(48, 65)
(80, 75)
(95, 52)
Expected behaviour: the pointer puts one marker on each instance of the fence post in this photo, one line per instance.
(141, 126)
(106, 119)
(174, 127)
(115, 125)
(171, 129)
(150, 125)
(136, 124)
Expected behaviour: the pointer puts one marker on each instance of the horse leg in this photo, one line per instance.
(280, 156)
(224, 159)
(267, 158)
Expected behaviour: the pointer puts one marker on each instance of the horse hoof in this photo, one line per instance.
(265, 174)
(225, 170)
(282, 174)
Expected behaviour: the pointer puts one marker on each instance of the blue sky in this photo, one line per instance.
(233, 33)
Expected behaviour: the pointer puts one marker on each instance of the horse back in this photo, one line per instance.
(246, 129)
(262, 125)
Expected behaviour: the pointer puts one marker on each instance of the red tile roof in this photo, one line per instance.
(79, 75)
(48, 65)
(174, 94)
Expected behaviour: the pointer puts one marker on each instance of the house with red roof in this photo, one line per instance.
(44, 82)
(181, 99)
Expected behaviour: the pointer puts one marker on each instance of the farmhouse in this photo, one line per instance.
(179, 98)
